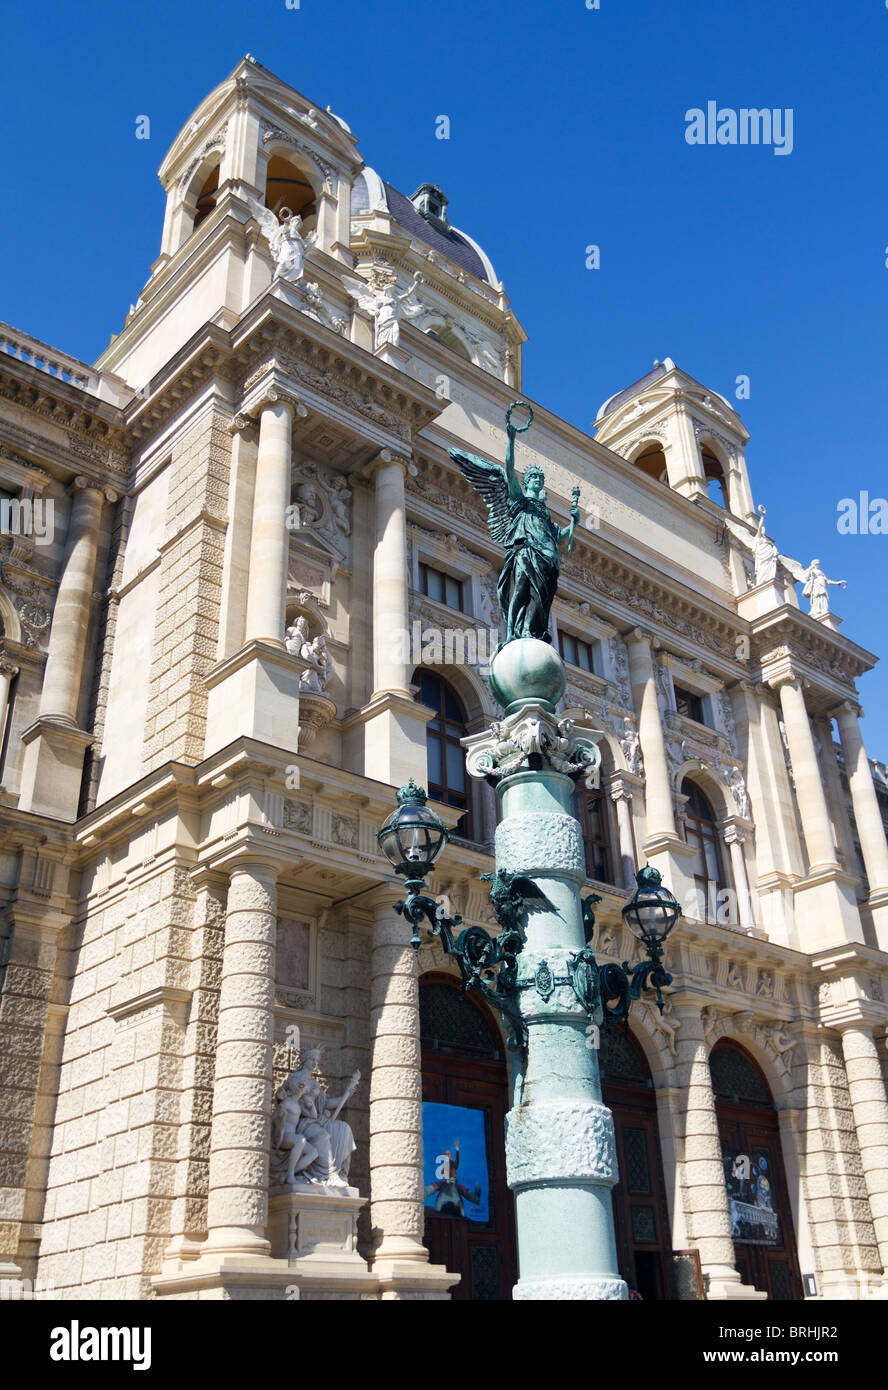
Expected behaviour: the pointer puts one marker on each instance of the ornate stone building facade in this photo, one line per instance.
(261, 556)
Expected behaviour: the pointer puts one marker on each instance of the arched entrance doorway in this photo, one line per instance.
(641, 1217)
(761, 1217)
(469, 1210)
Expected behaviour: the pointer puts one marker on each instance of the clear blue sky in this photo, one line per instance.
(567, 128)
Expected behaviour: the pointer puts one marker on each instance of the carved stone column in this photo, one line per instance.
(396, 1167)
(270, 539)
(873, 845)
(8, 673)
(391, 613)
(621, 796)
(735, 837)
(396, 1182)
(869, 1103)
(54, 744)
(659, 810)
(237, 1211)
(388, 732)
(706, 1199)
(816, 824)
(71, 614)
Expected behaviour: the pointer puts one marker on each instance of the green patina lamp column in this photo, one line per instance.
(561, 1159)
(540, 971)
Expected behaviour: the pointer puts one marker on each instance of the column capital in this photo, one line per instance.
(735, 830)
(7, 666)
(622, 786)
(846, 707)
(788, 677)
(84, 484)
(276, 395)
(242, 424)
(638, 634)
(385, 459)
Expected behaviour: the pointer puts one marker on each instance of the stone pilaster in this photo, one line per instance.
(703, 1178)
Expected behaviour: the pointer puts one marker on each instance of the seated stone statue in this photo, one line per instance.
(313, 1147)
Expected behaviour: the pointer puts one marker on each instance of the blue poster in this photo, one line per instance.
(454, 1145)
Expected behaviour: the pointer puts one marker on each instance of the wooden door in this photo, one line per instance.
(761, 1216)
(641, 1217)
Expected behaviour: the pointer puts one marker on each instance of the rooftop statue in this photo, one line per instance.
(385, 305)
(519, 520)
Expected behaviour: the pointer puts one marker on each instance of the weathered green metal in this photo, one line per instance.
(519, 520)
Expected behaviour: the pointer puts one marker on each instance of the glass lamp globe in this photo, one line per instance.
(652, 911)
(413, 836)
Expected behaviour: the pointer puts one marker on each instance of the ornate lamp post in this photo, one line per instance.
(540, 971)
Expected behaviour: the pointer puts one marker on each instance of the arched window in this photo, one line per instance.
(206, 198)
(701, 833)
(591, 810)
(652, 461)
(449, 340)
(716, 484)
(447, 778)
(287, 186)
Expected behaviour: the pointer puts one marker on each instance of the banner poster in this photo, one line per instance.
(455, 1167)
(750, 1200)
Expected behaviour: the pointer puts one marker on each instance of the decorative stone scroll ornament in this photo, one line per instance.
(530, 740)
(311, 1146)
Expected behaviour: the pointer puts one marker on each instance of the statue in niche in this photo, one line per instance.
(307, 501)
(381, 300)
(311, 649)
(283, 232)
(631, 746)
(315, 677)
(737, 785)
(340, 496)
(519, 519)
(313, 1145)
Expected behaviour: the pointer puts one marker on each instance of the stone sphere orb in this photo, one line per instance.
(527, 669)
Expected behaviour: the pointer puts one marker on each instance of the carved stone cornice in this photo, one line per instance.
(93, 428)
(790, 645)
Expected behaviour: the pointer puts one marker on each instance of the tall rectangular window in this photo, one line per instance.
(576, 651)
(689, 705)
(443, 588)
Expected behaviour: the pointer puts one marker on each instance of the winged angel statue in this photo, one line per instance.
(519, 520)
(767, 558)
(285, 238)
(381, 300)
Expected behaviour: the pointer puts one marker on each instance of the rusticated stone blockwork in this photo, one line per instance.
(131, 1128)
(186, 630)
